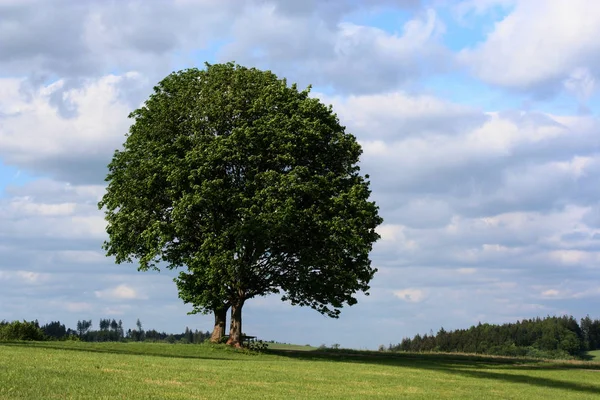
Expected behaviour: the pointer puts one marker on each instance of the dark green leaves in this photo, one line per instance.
(249, 184)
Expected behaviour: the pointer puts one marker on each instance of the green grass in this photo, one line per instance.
(595, 355)
(70, 370)
(285, 346)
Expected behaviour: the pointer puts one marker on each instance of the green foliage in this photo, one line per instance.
(112, 331)
(551, 337)
(590, 330)
(258, 345)
(18, 330)
(55, 330)
(83, 327)
(72, 338)
(248, 183)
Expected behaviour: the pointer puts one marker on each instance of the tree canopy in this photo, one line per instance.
(250, 186)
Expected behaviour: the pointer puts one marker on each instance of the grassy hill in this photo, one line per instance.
(162, 371)
(595, 355)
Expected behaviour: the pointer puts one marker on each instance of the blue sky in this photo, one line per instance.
(478, 120)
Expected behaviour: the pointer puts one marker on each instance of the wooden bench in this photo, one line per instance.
(245, 339)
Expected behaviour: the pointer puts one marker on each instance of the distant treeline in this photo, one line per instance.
(109, 331)
(550, 337)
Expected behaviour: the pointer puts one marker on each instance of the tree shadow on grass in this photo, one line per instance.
(472, 366)
(401, 359)
(222, 355)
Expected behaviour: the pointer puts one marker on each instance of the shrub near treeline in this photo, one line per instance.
(18, 330)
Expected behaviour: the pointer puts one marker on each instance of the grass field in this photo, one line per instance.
(595, 355)
(63, 370)
(284, 346)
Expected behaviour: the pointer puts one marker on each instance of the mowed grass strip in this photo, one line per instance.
(594, 355)
(64, 370)
(285, 346)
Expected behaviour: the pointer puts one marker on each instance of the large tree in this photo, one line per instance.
(250, 185)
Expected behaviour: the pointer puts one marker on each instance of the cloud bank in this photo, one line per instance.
(491, 213)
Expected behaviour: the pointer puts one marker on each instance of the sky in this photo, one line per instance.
(478, 121)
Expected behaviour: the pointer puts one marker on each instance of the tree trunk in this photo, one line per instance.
(220, 322)
(235, 329)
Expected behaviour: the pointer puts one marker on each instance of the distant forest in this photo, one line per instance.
(550, 337)
(108, 331)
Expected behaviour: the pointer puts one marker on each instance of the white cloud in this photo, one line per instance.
(120, 292)
(411, 295)
(78, 307)
(26, 207)
(396, 115)
(56, 192)
(394, 237)
(582, 83)
(539, 45)
(43, 39)
(573, 257)
(341, 55)
(467, 271)
(75, 148)
(81, 227)
(20, 277)
(80, 257)
(118, 310)
(389, 232)
(550, 293)
(490, 164)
